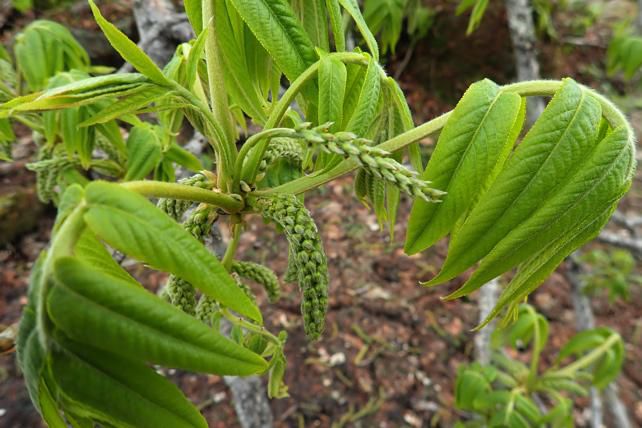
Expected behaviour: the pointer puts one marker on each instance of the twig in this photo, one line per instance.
(633, 245)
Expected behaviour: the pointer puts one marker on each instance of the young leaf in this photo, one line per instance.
(128, 49)
(133, 225)
(595, 184)
(108, 313)
(471, 149)
(118, 391)
(143, 152)
(313, 15)
(547, 158)
(275, 25)
(194, 11)
(352, 7)
(336, 22)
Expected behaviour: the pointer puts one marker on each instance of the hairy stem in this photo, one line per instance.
(587, 359)
(160, 189)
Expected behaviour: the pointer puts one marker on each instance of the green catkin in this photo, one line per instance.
(291, 272)
(290, 214)
(175, 208)
(181, 294)
(48, 169)
(261, 275)
(110, 150)
(247, 290)
(374, 161)
(177, 291)
(280, 148)
(206, 308)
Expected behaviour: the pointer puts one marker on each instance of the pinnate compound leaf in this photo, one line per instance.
(108, 313)
(275, 25)
(128, 49)
(597, 184)
(130, 223)
(542, 164)
(471, 149)
(118, 391)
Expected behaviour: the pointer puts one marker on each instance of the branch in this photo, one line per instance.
(633, 245)
(487, 300)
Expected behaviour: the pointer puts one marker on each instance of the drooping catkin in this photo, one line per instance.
(373, 160)
(261, 275)
(175, 208)
(290, 214)
(181, 294)
(206, 308)
(177, 291)
(48, 169)
(280, 148)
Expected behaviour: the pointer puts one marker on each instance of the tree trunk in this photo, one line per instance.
(522, 34)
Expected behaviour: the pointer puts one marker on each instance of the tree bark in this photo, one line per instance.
(522, 34)
(487, 298)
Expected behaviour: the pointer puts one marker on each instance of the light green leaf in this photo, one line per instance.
(118, 391)
(133, 225)
(128, 49)
(313, 15)
(547, 158)
(352, 7)
(194, 11)
(108, 313)
(182, 157)
(336, 22)
(275, 25)
(595, 184)
(143, 152)
(471, 150)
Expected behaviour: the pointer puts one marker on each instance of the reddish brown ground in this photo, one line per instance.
(391, 348)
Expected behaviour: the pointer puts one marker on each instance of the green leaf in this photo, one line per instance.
(194, 11)
(352, 7)
(275, 25)
(119, 391)
(367, 101)
(242, 87)
(471, 150)
(128, 49)
(595, 185)
(542, 164)
(177, 154)
(31, 355)
(313, 15)
(332, 87)
(91, 251)
(133, 225)
(143, 152)
(471, 383)
(141, 97)
(106, 312)
(336, 22)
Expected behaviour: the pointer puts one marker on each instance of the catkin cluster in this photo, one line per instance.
(280, 148)
(177, 291)
(48, 169)
(110, 150)
(261, 275)
(175, 208)
(181, 294)
(290, 214)
(373, 160)
(206, 308)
